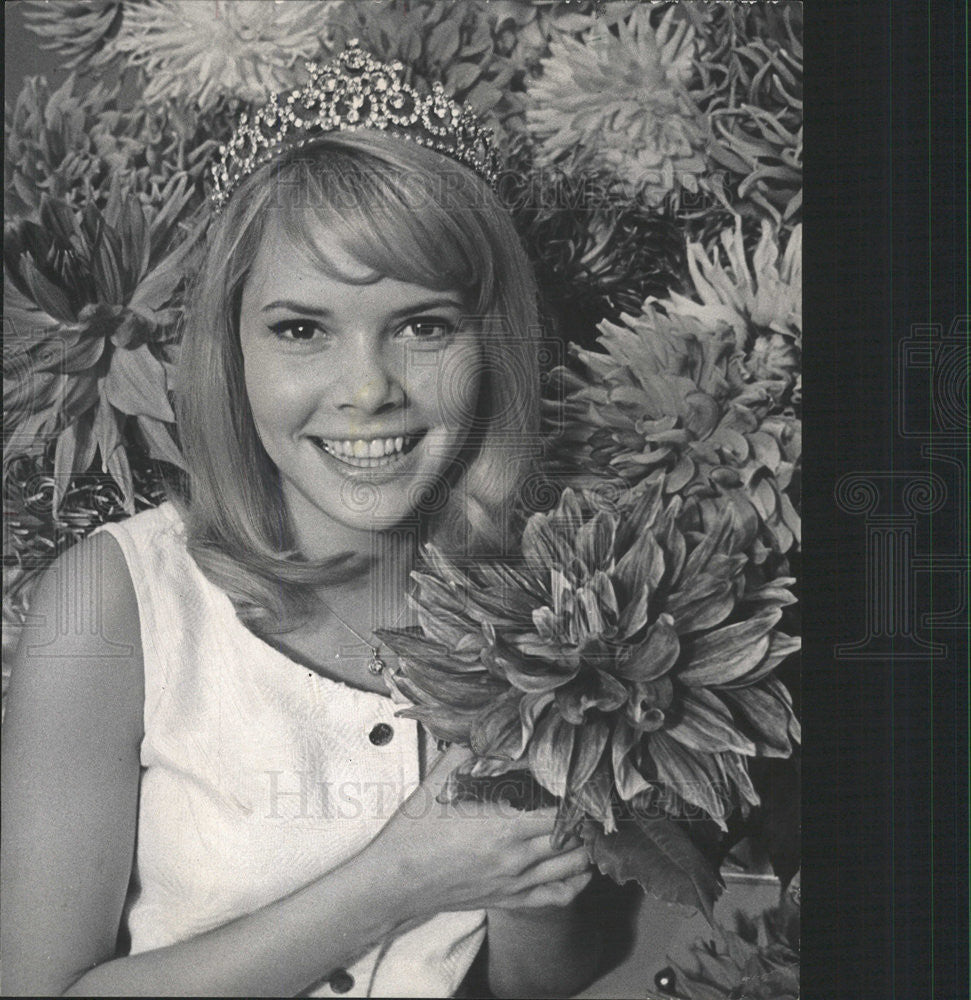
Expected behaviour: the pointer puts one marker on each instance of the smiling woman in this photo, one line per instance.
(344, 383)
(379, 288)
(252, 816)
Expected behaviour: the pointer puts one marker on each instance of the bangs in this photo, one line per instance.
(394, 220)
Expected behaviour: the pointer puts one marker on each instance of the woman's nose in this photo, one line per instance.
(365, 380)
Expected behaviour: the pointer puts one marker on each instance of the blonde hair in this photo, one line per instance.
(406, 213)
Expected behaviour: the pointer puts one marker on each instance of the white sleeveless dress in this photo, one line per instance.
(259, 775)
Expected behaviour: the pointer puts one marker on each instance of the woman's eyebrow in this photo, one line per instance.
(304, 309)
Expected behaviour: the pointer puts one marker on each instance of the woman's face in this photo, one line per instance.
(362, 394)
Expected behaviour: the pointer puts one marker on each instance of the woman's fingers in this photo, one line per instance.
(561, 892)
(564, 864)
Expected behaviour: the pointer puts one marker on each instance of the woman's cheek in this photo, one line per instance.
(458, 382)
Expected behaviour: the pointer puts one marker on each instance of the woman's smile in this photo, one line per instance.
(353, 377)
(369, 453)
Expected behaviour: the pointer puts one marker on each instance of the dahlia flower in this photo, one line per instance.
(198, 51)
(669, 397)
(617, 104)
(622, 660)
(74, 144)
(90, 300)
(79, 32)
(761, 303)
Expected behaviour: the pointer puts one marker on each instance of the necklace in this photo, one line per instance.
(375, 664)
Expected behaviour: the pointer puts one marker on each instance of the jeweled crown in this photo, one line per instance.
(353, 92)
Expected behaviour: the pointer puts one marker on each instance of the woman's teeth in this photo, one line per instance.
(368, 454)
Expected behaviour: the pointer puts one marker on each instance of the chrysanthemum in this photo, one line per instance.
(671, 397)
(617, 104)
(196, 51)
(622, 659)
(74, 144)
(78, 31)
(762, 303)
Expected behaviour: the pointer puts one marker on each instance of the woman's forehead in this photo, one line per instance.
(314, 268)
(310, 244)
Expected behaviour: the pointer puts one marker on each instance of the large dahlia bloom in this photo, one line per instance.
(198, 51)
(669, 398)
(618, 105)
(92, 302)
(622, 660)
(761, 302)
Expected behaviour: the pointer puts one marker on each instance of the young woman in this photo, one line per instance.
(208, 791)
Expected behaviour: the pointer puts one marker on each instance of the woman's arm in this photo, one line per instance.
(71, 770)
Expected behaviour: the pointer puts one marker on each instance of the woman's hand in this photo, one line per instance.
(466, 855)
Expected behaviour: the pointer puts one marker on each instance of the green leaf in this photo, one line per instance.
(135, 384)
(658, 855)
(159, 441)
(51, 299)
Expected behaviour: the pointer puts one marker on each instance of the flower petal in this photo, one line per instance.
(707, 725)
(594, 542)
(687, 774)
(443, 723)
(550, 751)
(780, 646)
(705, 602)
(594, 795)
(591, 738)
(498, 731)
(655, 656)
(728, 653)
(767, 717)
(628, 780)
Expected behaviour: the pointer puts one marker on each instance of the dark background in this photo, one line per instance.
(885, 807)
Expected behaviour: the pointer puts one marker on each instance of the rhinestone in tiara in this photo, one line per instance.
(353, 92)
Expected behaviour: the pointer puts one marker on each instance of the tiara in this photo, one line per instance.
(353, 92)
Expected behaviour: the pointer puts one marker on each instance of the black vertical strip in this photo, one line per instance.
(847, 940)
(885, 890)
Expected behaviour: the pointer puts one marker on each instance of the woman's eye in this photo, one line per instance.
(296, 330)
(425, 329)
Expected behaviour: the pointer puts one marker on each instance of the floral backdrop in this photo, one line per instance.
(652, 158)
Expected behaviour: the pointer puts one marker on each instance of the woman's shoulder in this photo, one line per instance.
(81, 643)
(147, 525)
(86, 593)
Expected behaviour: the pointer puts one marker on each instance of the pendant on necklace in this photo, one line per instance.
(375, 664)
